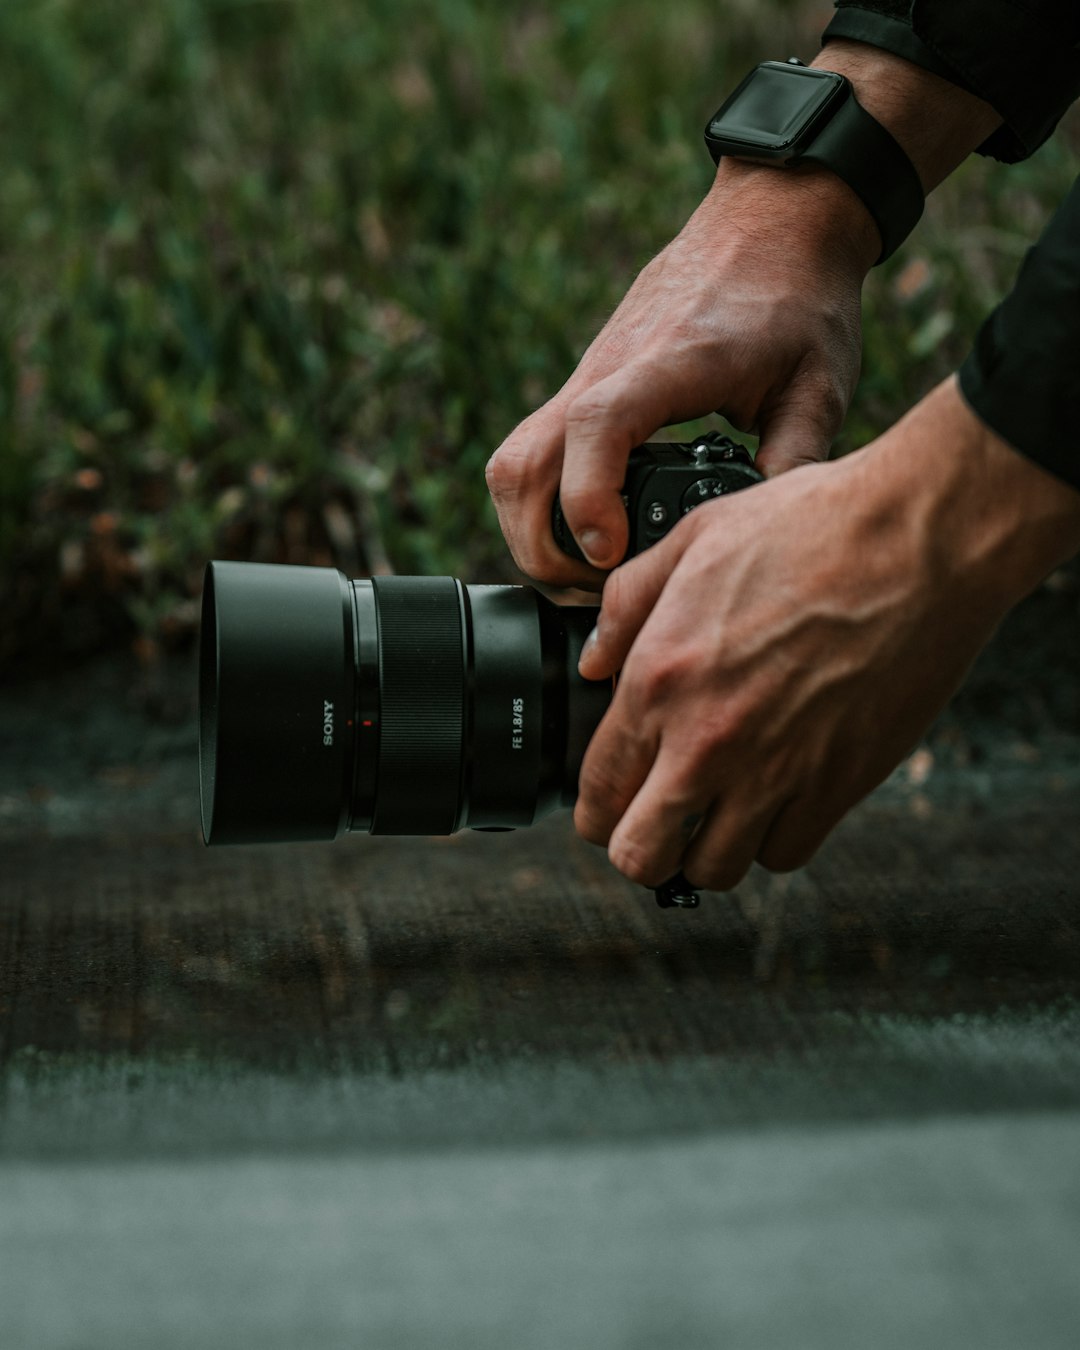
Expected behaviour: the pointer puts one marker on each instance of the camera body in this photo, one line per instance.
(665, 481)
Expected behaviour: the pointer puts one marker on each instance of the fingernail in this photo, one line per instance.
(596, 545)
(589, 646)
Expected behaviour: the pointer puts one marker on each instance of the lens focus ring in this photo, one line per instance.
(422, 705)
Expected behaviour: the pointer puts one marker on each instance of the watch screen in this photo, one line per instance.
(773, 105)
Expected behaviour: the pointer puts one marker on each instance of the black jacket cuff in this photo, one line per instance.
(1022, 59)
(1022, 378)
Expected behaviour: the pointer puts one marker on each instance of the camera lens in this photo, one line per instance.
(399, 705)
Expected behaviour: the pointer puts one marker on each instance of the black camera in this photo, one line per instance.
(664, 482)
(410, 705)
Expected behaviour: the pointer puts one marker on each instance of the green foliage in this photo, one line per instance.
(281, 275)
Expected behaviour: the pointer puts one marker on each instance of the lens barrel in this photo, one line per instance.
(399, 705)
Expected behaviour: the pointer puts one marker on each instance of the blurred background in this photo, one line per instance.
(278, 277)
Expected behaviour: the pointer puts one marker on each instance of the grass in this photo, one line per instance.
(279, 276)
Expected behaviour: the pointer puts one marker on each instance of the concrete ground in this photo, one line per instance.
(480, 1092)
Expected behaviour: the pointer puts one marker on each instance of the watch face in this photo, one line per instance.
(774, 108)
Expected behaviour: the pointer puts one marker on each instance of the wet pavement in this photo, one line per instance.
(482, 1092)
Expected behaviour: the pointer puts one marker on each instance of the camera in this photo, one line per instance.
(411, 705)
(664, 482)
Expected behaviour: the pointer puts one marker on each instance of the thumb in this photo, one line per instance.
(630, 594)
(800, 431)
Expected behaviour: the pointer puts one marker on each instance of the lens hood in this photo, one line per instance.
(276, 699)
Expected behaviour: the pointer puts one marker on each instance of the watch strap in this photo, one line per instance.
(857, 148)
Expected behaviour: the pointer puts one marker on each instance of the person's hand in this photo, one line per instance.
(784, 648)
(753, 311)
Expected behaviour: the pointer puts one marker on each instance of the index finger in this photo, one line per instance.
(616, 763)
(603, 424)
(523, 477)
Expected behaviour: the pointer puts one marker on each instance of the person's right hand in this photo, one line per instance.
(753, 310)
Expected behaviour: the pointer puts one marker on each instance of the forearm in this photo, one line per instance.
(936, 123)
(985, 520)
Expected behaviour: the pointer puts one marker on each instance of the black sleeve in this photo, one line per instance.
(1022, 377)
(1020, 56)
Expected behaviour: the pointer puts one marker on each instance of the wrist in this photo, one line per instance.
(1033, 516)
(978, 513)
(809, 207)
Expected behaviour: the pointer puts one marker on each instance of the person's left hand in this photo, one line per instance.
(784, 648)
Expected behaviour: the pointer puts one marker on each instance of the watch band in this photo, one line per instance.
(860, 150)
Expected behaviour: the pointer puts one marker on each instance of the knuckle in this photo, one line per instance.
(687, 783)
(594, 410)
(597, 785)
(529, 457)
(824, 397)
(721, 727)
(635, 862)
(589, 826)
(509, 470)
(664, 677)
(719, 859)
(673, 676)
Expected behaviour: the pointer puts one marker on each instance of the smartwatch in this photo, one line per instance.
(787, 113)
